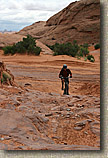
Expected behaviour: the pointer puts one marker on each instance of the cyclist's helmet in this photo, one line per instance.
(64, 66)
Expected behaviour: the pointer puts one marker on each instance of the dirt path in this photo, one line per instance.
(42, 72)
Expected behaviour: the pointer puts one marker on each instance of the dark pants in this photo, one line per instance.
(64, 81)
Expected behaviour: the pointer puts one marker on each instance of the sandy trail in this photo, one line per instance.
(42, 71)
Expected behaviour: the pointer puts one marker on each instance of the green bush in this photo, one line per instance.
(29, 41)
(80, 53)
(55, 53)
(28, 45)
(20, 48)
(72, 49)
(37, 51)
(91, 58)
(84, 51)
(85, 59)
(65, 49)
(85, 45)
(9, 50)
(97, 46)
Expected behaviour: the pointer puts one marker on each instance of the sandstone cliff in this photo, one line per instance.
(79, 21)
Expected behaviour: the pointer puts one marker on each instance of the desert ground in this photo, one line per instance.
(37, 116)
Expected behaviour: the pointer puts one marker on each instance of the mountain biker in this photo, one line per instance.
(64, 73)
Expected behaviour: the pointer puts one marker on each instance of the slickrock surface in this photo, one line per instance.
(36, 116)
(31, 119)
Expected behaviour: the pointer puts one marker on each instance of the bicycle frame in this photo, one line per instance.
(66, 89)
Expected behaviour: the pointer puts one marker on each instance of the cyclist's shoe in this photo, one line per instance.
(67, 93)
(64, 93)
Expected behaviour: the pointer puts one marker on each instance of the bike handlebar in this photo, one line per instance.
(65, 77)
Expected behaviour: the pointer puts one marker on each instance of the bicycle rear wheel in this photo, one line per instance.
(67, 88)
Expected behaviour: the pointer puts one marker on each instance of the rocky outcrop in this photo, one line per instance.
(34, 120)
(4, 69)
(45, 49)
(9, 39)
(79, 21)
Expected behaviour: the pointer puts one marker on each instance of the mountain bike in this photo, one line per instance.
(66, 89)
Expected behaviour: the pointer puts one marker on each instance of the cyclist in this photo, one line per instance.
(64, 73)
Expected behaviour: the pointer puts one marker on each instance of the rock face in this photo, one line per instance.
(45, 49)
(3, 68)
(41, 121)
(9, 39)
(79, 21)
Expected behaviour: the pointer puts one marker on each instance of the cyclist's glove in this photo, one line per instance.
(70, 76)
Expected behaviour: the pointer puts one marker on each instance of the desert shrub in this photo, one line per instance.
(13, 49)
(65, 48)
(97, 46)
(75, 48)
(9, 50)
(91, 58)
(20, 48)
(85, 45)
(85, 59)
(28, 45)
(37, 51)
(29, 41)
(55, 53)
(72, 49)
(74, 42)
(80, 53)
(83, 51)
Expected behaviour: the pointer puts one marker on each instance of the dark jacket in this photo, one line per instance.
(64, 73)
